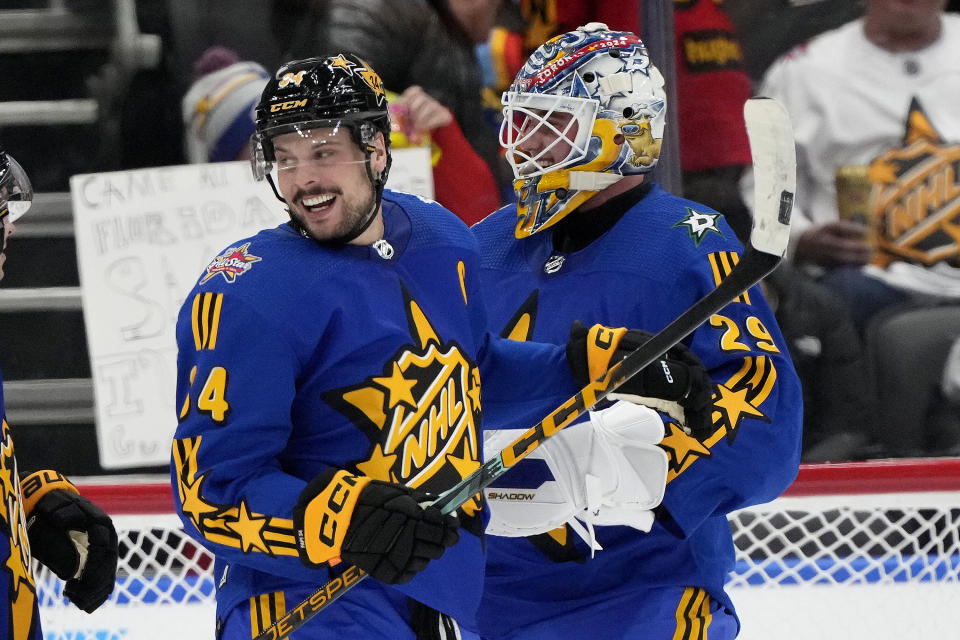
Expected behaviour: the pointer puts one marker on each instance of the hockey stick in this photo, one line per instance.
(774, 166)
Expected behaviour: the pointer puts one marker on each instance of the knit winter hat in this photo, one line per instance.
(218, 111)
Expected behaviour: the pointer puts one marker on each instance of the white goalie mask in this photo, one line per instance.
(586, 109)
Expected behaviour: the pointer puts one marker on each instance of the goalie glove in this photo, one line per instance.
(380, 527)
(72, 536)
(608, 471)
(677, 384)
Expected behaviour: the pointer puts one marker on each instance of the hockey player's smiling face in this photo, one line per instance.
(547, 138)
(322, 176)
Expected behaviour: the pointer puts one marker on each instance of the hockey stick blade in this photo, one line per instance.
(774, 165)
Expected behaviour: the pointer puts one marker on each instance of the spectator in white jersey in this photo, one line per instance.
(873, 105)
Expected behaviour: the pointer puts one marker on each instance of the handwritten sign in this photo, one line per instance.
(143, 238)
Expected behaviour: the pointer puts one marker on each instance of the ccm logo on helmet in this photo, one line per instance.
(289, 104)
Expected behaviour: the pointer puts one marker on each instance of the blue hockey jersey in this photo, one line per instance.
(296, 357)
(19, 616)
(658, 259)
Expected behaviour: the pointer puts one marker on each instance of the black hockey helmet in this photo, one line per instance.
(339, 90)
(325, 92)
(16, 192)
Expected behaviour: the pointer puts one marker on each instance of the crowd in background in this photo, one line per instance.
(875, 384)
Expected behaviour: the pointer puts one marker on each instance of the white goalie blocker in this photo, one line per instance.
(607, 471)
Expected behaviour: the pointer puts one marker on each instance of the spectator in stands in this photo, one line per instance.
(828, 355)
(712, 85)
(425, 43)
(876, 98)
(43, 517)
(770, 29)
(218, 108)
(462, 181)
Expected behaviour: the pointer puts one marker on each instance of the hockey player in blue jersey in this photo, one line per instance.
(43, 517)
(581, 549)
(329, 377)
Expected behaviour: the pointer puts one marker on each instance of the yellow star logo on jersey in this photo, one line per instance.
(474, 391)
(919, 126)
(421, 413)
(193, 504)
(734, 404)
(681, 448)
(378, 466)
(339, 62)
(882, 172)
(20, 572)
(400, 389)
(250, 530)
(464, 466)
(6, 480)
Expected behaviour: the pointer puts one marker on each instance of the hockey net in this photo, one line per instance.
(855, 550)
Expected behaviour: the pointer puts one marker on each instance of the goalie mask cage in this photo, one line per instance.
(852, 550)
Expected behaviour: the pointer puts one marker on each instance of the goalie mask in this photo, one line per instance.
(587, 108)
(319, 97)
(16, 193)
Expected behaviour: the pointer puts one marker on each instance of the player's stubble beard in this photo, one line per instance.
(355, 218)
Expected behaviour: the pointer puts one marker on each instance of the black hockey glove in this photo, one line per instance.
(378, 526)
(72, 536)
(676, 384)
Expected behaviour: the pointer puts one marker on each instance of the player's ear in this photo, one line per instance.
(378, 159)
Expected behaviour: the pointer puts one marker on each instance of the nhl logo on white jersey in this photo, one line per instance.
(554, 263)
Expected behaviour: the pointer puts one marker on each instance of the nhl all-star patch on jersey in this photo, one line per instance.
(296, 357)
(663, 255)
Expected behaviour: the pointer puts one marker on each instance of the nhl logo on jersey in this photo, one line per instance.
(233, 262)
(554, 263)
(915, 195)
(421, 413)
(383, 248)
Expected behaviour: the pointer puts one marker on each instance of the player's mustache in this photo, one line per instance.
(316, 191)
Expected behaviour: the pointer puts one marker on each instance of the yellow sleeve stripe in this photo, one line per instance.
(693, 615)
(265, 609)
(205, 315)
(721, 264)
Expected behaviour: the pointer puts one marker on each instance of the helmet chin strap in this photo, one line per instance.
(592, 180)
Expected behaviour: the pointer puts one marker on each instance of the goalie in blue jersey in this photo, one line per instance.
(329, 381)
(618, 529)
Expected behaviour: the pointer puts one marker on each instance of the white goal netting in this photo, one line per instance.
(853, 551)
(858, 550)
